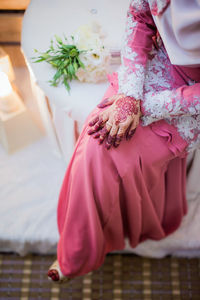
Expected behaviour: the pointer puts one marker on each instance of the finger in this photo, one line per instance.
(132, 129)
(96, 135)
(118, 140)
(103, 134)
(99, 124)
(110, 140)
(106, 102)
(131, 133)
(120, 134)
(128, 130)
(123, 128)
(94, 121)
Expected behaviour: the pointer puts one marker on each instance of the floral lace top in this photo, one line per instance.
(145, 75)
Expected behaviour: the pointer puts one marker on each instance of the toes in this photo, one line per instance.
(53, 274)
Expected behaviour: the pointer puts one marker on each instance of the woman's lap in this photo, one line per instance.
(110, 194)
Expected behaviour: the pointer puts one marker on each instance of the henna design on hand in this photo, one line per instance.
(103, 103)
(96, 135)
(118, 139)
(94, 121)
(98, 125)
(103, 133)
(125, 107)
(124, 110)
(91, 131)
(130, 135)
(110, 141)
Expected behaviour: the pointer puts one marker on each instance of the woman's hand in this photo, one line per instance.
(119, 120)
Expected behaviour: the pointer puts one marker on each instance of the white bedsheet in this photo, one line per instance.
(29, 188)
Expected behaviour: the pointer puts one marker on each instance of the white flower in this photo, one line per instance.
(85, 38)
(96, 58)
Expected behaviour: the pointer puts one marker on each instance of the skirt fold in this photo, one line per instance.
(135, 191)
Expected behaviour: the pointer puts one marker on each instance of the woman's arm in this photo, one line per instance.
(137, 46)
(110, 125)
(184, 100)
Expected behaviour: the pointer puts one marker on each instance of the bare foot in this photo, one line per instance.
(53, 274)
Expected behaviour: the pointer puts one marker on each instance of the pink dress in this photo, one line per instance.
(137, 190)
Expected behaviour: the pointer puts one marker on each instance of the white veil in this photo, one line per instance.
(179, 28)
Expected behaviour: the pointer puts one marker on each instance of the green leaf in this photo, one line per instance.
(53, 64)
(39, 60)
(66, 84)
(53, 83)
(57, 75)
(68, 47)
(69, 71)
(66, 62)
(71, 68)
(75, 66)
(51, 45)
(80, 63)
(58, 39)
(45, 55)
(73, 52)
(64, 57)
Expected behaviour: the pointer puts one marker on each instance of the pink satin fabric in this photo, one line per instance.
(135, 191)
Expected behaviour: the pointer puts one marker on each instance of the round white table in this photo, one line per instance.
(42, 20)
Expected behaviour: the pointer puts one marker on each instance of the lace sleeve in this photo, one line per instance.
(138, 42)
(183, 101)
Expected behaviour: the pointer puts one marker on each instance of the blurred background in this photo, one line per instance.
(30, 173)
(39, 126)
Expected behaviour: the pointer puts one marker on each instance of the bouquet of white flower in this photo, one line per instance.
(97, 58)
(82, 56)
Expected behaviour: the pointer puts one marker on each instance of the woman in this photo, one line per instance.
(127, 175)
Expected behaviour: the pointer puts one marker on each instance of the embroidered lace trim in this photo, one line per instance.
(162, 102)
(131, 74)
(139, 5)
(131, 84)
(153, 84)
(158, 6)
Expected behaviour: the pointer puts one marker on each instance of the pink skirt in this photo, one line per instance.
(136, 191)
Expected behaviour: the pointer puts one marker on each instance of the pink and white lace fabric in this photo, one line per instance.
(146, 74)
